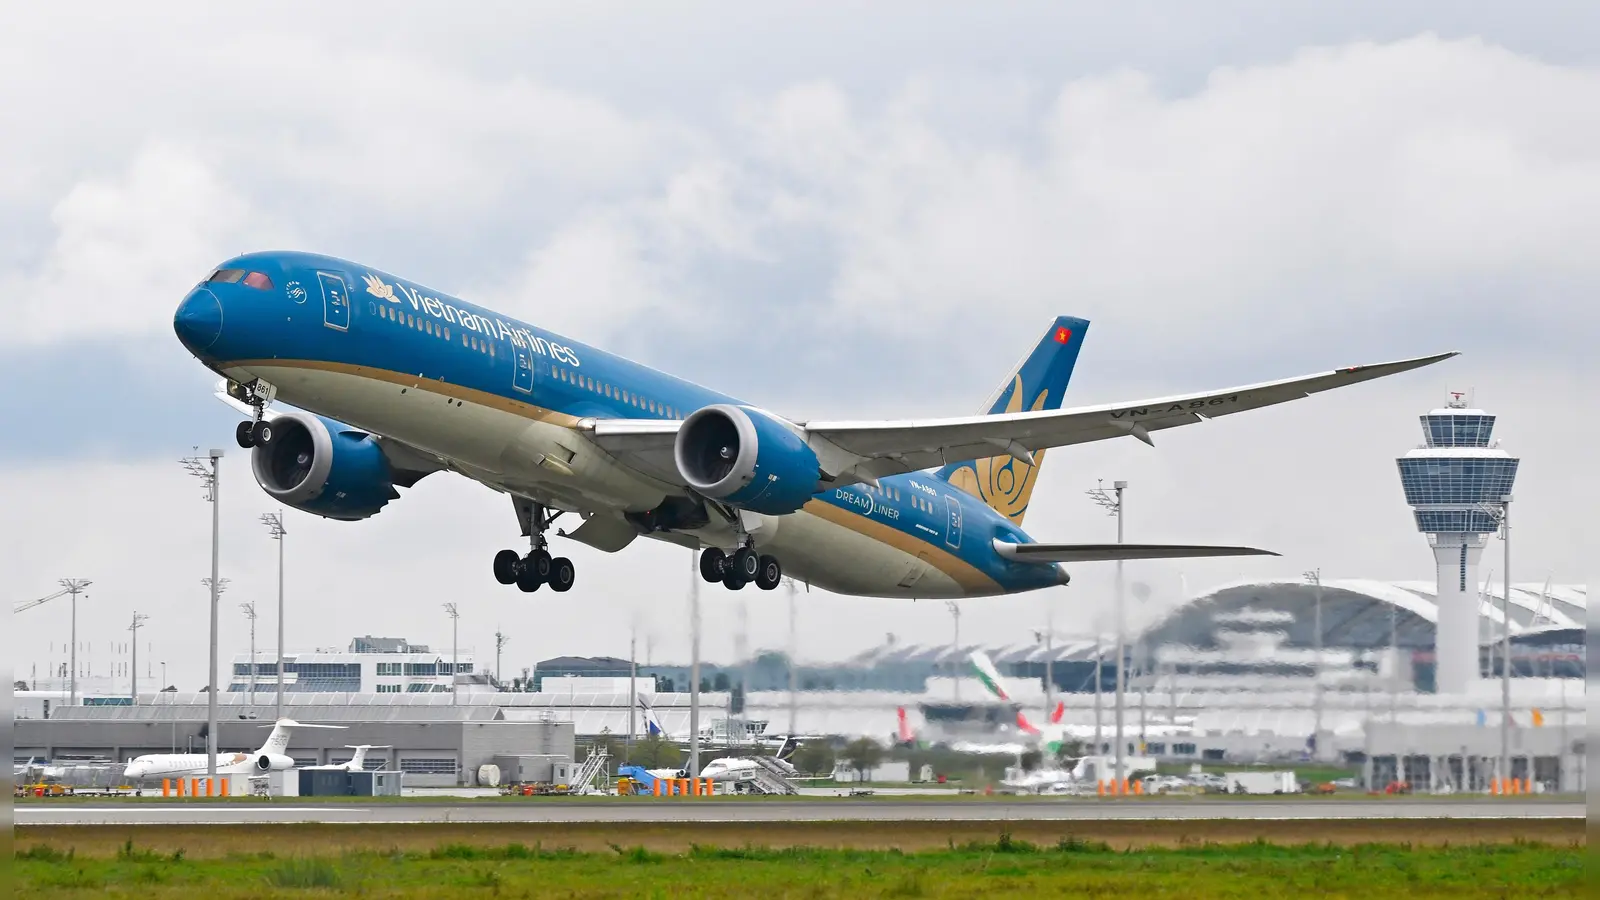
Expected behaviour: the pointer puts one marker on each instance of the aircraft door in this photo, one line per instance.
(522, 373)
(952, 534)
(335, 302)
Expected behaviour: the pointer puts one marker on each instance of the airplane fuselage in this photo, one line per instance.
(504, 402)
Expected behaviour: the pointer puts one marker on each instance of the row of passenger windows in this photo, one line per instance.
(917, 501)
(660, 410)
(473, 342)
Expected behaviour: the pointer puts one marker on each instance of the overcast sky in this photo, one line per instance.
(825, 210)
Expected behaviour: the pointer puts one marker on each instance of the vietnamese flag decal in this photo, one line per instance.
(1063, 335)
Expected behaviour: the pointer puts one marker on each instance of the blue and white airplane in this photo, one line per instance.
(392, 381)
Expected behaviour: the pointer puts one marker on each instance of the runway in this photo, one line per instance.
(691, 811)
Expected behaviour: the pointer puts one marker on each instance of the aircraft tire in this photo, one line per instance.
(769, 572)
(242, 435)
(528, 580)
(745, 562)
(731, 580)
(506, 563)
(261, 434)
(562, 574)
(539, 562)
(711, 564)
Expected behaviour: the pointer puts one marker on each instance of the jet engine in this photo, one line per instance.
(273, 762)
(746, 458)
(324, 467)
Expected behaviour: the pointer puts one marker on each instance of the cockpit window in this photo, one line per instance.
(256, 280)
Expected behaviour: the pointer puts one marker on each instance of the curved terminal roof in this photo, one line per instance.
(1358, 612)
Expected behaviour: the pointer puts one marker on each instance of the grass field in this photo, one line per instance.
(910, 859)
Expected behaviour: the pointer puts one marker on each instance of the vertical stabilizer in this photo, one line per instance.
(1004, 482)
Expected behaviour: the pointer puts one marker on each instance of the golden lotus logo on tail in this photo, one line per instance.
(1004, 482)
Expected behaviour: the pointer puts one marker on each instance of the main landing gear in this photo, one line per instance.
(740, 567)
(257, 432)
(538, 568)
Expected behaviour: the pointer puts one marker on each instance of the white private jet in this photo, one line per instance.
(272, 757)
(355, 763)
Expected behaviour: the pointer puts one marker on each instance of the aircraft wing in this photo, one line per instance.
(861, 450)
(1042, 554)
(919, 444)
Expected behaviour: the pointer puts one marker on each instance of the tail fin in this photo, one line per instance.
(987, 674)
(278, 741)
(906, 735)
(1039, 382)
(652, 725)
(1057, 713)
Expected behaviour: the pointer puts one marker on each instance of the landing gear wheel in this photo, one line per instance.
(712, 564)
(243, 436)
(562, 574)
(745, 563)
(528, 580)
(539, 562)
(263, 433)
(769, 572)
(506, 563)
(731, 580)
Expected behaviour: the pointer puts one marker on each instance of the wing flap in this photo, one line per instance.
(1045, 554)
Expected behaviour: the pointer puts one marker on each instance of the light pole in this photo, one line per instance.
(211, 475)
(499, 645)
(955, 646)
(1502, 516)
(1114, 505)
(633, 687)
(133, 688)
(794, 700)
(455, 659)
(1314, 576)
(249, 610)
(163, 677)
(694, 666)
(274, 523)
(74, 586)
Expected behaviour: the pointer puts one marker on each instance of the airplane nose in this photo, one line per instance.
(199, 320)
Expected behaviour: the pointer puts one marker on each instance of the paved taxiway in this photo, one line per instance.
(689, 811)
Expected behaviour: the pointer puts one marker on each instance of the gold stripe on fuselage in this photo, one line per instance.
(970, 577)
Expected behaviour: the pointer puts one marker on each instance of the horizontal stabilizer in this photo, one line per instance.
(1043, 554)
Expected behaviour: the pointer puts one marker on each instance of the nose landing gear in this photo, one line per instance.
(538, 567)
(257, 432)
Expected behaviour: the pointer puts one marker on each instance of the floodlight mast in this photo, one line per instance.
(274, 523)
(209, 470)
(1113, 504)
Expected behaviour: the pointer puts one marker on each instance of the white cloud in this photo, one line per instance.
(1324, 207)
(125, 250)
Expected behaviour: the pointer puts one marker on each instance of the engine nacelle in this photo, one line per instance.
(746, 458)
(273, 762)
(324, 467)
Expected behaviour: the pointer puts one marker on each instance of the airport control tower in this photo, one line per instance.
(1455, 482)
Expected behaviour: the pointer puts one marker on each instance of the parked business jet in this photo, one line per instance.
(355, 763)
(392, 381)
(273, 756)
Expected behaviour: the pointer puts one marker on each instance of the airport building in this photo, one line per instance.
(369, 665)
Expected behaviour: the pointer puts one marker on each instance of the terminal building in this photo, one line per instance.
(369, 665)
